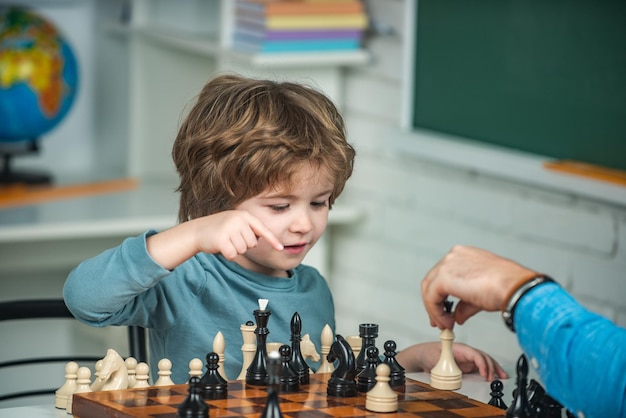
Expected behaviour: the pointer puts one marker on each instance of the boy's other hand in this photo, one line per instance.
(424, 357)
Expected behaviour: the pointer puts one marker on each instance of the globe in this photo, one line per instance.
(38, 75)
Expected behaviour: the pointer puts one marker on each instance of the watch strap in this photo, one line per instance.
(524, 285)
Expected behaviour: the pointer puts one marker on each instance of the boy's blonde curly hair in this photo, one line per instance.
(244, 136)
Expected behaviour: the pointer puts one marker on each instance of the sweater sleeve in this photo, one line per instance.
(579, 355)
(100, 291)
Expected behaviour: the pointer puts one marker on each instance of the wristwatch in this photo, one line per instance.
(525, 285)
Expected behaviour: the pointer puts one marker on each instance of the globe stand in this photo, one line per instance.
(10, 150)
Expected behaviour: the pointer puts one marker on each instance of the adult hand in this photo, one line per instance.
(479, 279)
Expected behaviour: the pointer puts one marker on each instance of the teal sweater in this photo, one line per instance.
(186, 307)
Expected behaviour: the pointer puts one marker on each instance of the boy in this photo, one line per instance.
(260, 165)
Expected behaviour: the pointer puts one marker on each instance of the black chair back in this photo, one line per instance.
(56, 309)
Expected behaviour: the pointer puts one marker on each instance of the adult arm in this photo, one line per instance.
(579, 355)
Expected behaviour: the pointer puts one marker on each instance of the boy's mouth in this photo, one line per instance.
(295, 249)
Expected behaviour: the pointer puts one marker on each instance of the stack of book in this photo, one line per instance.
(269, 26)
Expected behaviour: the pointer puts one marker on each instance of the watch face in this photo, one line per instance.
(508, 320)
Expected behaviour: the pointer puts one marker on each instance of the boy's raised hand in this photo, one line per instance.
(230, 233)
(233, 232)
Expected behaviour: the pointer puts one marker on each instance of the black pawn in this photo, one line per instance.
(289, 379)
(497, 394)
(193, 406)
(212, 384)
(397, 376)
(520, 407)
(368, 334)
(274, 366)
(297, 360)
(367, 378)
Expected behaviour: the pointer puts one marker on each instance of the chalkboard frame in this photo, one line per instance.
(478, 157)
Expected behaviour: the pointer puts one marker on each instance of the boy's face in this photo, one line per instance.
(296, 213)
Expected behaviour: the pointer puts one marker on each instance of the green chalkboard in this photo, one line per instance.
(542, 76)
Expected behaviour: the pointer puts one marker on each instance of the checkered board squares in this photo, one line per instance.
(415, 399)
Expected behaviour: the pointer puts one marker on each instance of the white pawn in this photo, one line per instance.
(219, 347)
(142, 375)
(382, 398)
(164, 372)
(82, 385)
(327, 340)
(97, 381)
(64, 393)
(131, 365)
(248, 348)
(195, 368)
(446, 375)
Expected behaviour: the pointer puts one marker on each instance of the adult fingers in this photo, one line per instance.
(433, 303)
(464, 311)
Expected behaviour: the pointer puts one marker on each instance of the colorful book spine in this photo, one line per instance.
(277, 35)
(330, 21)
(299, 25)
(298, 7)
(296, 46)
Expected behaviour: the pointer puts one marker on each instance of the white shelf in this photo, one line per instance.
(189, 42)
(152, 205)
(209, 46)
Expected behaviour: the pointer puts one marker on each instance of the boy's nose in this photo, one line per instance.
(301, 222)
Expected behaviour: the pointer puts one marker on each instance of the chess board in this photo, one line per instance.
(417, 399)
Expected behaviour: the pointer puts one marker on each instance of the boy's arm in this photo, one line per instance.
(99, 291)
(230, 233)
(103, 290)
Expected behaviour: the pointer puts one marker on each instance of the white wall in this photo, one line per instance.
(417, 209)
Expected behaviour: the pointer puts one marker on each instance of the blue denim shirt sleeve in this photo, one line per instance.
(579, 355)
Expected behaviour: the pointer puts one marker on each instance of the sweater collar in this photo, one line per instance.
(262, 279)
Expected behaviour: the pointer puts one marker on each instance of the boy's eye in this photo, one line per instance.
(320, 204)
(279, 208)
